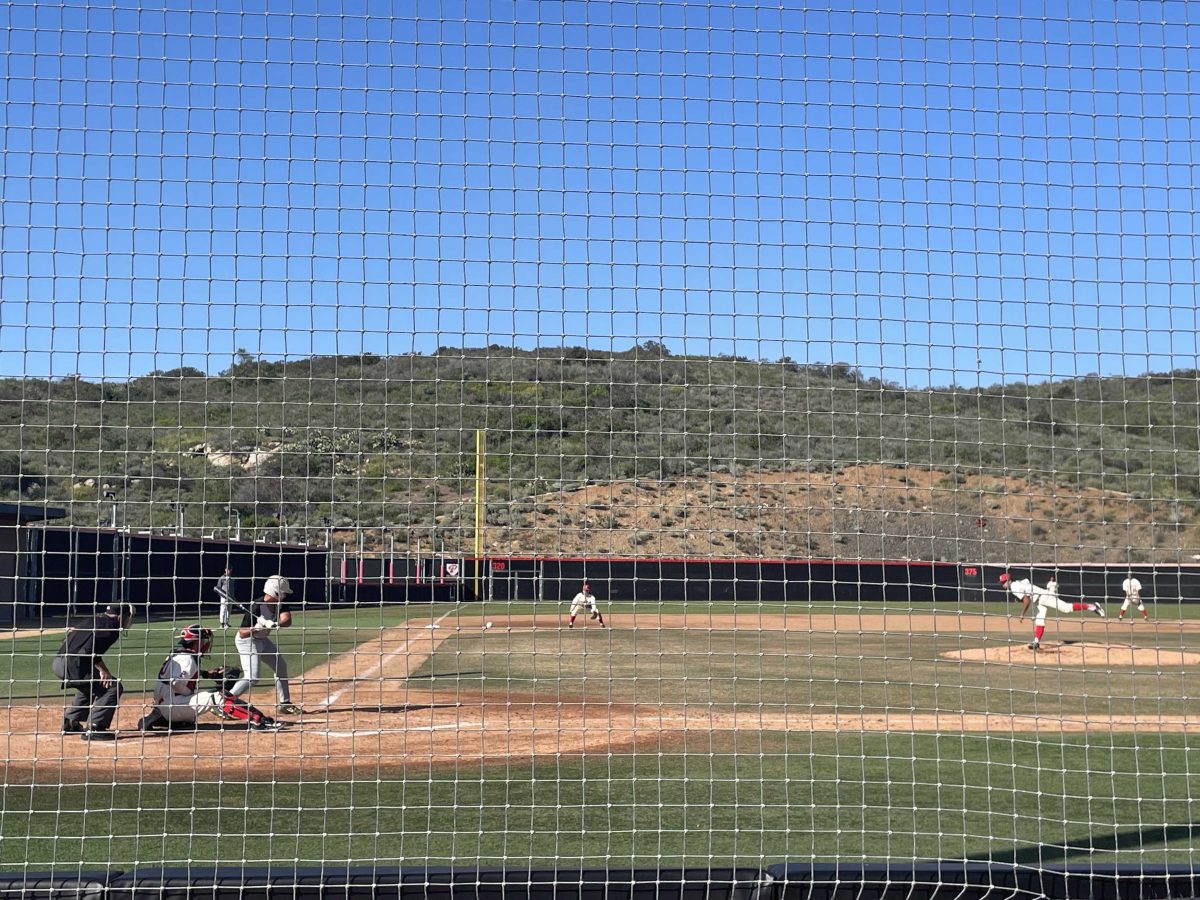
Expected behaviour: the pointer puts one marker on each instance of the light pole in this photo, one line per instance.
(237, 517)
(110, 495)
(178, 508)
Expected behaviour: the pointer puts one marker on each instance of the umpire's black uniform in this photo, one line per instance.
(80, 664)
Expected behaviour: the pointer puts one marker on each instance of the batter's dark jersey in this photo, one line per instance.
(249, 621)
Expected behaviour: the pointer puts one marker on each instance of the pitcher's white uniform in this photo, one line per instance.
(1046, 598)
(175, 694)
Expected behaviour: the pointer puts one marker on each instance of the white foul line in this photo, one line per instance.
(333, 698)
(462, 726)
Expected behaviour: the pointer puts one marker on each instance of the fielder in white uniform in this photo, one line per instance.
(585, 601)
(1046, 599)
(224, 590)
(177, 702)
(255, 647)
(1133, 597)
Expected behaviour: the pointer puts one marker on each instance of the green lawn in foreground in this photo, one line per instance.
(759, 799)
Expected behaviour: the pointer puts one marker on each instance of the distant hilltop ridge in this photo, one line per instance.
(637, 453)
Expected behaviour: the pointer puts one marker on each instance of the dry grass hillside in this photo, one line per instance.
(863, 512)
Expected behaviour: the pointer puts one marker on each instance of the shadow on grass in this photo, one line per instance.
(1132, 839)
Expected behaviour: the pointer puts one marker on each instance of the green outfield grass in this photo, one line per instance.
(818, 671)
(322, 634)
(1103, 798)
(746, 797)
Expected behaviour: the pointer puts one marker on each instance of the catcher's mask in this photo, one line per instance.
(196, 638)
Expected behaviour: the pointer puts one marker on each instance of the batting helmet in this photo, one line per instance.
(277, 586)
(1005, 578)
(196, 638)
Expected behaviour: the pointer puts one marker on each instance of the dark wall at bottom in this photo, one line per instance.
(936, 880)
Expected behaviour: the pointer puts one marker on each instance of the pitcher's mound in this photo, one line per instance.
(1081, 654)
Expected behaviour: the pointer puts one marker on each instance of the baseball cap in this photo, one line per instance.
(277, 586)
(121, 610)
(1005, 578)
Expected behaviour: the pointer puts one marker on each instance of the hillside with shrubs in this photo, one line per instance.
(634, 453)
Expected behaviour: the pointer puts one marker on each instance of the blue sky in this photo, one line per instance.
(934, 192)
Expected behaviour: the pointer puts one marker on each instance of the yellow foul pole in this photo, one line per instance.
(480, 445)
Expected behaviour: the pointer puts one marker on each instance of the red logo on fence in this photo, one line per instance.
(452, 569)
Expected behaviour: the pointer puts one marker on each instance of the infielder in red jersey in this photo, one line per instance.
(1046, 599)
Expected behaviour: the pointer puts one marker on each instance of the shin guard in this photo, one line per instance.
(239, 709)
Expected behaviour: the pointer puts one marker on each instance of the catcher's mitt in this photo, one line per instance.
(226, 677)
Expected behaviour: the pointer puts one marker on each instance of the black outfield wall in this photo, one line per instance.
(700, 580)
(70, 572)
(80, 569)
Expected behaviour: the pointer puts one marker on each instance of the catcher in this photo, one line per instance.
(177, 702)
(585, 601)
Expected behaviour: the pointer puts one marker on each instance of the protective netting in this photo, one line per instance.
(786, 330)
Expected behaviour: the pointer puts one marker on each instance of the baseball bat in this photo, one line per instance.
(236, 604)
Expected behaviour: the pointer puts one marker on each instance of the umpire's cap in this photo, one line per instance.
(123, 611)
(277, 586)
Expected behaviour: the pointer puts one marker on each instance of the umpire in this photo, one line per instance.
(80, 664)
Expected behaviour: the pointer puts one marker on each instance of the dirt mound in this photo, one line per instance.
(1101, 656)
